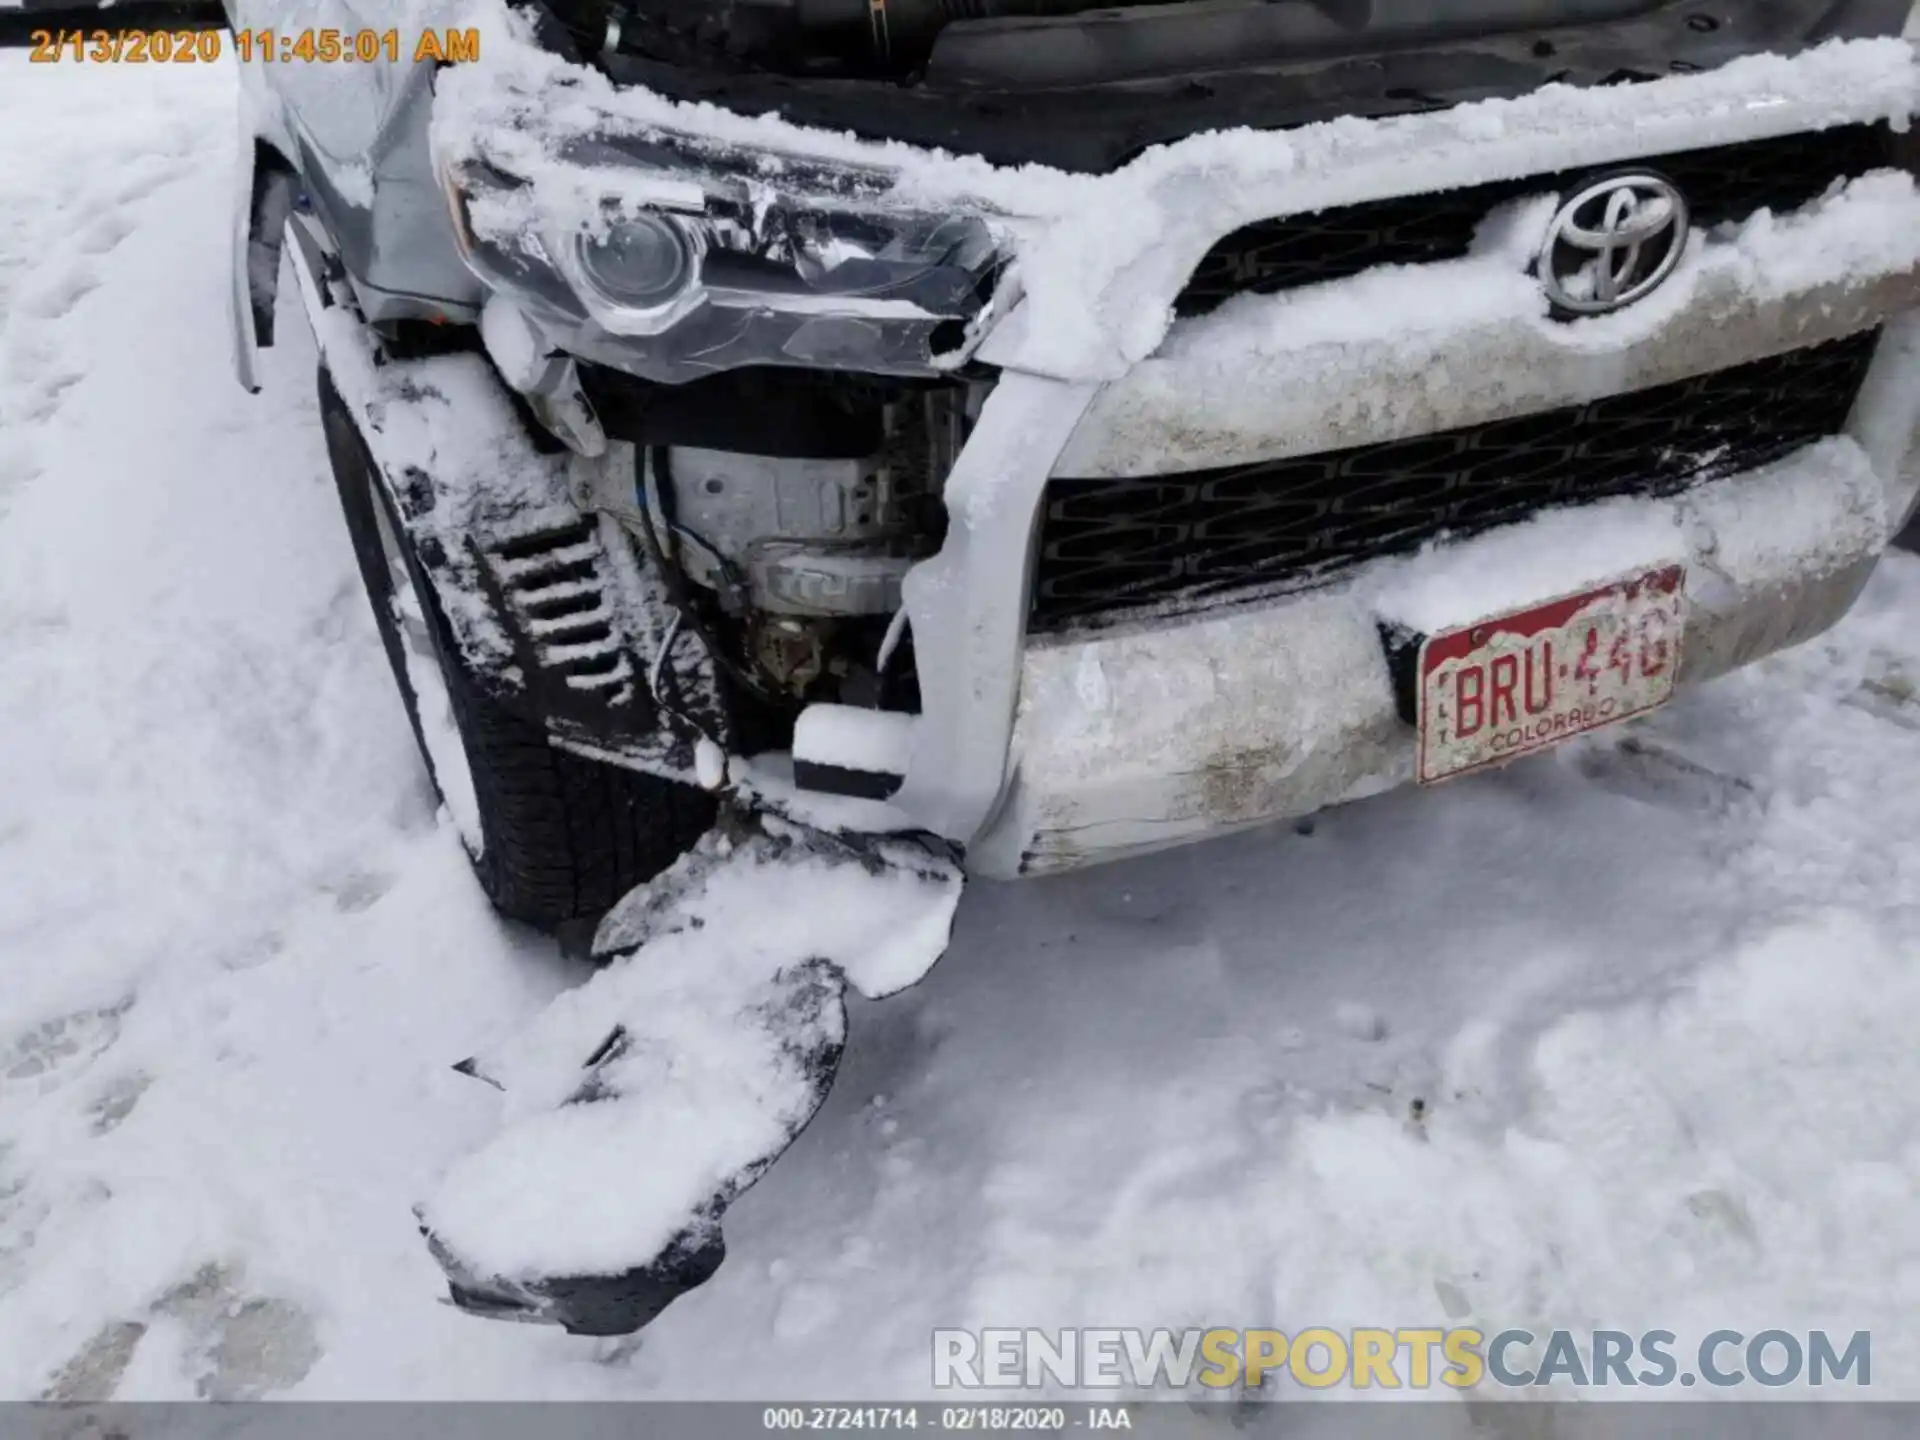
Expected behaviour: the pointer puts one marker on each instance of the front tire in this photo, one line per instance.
(553, 837)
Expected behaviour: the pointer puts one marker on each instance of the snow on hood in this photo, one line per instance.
(1101, 257)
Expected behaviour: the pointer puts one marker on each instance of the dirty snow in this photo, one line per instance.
(1622, 1035)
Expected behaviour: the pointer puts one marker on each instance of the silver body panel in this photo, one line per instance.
(359, 135)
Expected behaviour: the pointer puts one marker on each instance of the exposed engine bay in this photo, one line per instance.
(787, 510)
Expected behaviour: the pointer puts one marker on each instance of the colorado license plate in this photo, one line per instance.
(1516, 683)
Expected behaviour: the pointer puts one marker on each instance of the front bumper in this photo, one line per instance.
(1159, 732)
(1134, 741)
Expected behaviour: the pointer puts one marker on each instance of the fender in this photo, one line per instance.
(266, 187)
(550, 607)
(266, 190)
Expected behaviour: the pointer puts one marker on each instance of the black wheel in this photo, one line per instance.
(553, 837)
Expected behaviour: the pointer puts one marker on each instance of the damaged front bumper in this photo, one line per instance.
(641, 1104)
(1048, 752)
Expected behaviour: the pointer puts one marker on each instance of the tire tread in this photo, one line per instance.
(565, 836)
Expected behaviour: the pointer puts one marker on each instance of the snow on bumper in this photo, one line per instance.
(1137, 740)
(1173, 729)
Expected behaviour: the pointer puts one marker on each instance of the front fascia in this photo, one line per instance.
(1101, 258)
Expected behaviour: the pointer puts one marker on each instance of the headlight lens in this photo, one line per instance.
(641, 264)
(671, 258)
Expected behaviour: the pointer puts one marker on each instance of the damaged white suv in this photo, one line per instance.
(1057, 428)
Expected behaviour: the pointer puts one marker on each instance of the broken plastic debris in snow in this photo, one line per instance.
(849, 750)
(851, 738)
(642, 1103)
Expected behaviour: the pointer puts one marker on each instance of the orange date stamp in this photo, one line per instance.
(268, 47)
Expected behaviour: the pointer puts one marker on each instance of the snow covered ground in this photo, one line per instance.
(1621, 1036)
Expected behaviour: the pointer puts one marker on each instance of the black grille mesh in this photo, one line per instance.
(1727, 182)
(1112, 545)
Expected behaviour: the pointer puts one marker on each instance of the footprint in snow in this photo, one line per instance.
(1725, 1215)
(805, 1309)
(25, 1208)
(44, 403)
(17, 467)
(1453, 1300)
(96, 1369)
(55, 299)
(157, 176)
(104, 234)
(236, 1346)
(64, 1043)
(116, 1102)
(1268, 1110)
(1892, 695)
(13, 1197)
(1360, 1022)
(357, 891)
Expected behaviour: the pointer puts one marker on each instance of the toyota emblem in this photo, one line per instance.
(1613, 242)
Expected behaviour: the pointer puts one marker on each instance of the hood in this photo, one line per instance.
(1086, 85)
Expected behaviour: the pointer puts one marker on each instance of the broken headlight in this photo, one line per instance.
(671, 261)
(642, 265)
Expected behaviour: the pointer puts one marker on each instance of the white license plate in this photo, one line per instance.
(1513, 684)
